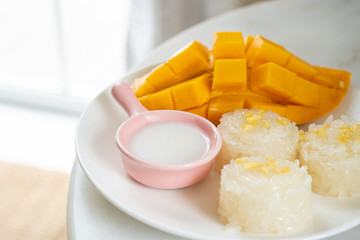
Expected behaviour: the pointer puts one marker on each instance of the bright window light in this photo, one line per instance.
(61, 53)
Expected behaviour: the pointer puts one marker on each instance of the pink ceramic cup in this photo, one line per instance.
(164, 176)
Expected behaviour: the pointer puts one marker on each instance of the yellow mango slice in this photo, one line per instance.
(141, 87)
(230, 74)
(269, 78)
(191, 93)
(273, 81)
(248, 41)
(278, 108)
(322, 80)
(220, 105)
(300, 67)
(162, 100)
(228, 45)
(328, 99)
(301, 114)
(250, 95)
(190, 61)
(263, 51)
(145, 101)
(162, 77)
(306, 93)
(340, 79)
(202, 110)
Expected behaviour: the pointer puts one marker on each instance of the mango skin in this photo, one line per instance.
(236, 74)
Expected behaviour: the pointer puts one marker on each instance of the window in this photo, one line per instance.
(60, 54)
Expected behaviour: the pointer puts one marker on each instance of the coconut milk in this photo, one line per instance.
(169, 143)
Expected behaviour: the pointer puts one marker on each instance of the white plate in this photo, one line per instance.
(189, 212)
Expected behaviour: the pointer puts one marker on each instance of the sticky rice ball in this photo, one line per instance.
(264, 195)
(331, 151)
(256, 132)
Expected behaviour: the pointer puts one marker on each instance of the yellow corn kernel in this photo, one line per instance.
(261, 111)
(265, 123)
(241, 160)
(253, 120)
(358, 137)
(248, 114)
(253, 165)
(283, 121)
(342, 139)
(272, 164)
(302, 135)
(247, 127)
(355, 127)
(344, 134)
(270, 158)
(285, 169)
(321, 132)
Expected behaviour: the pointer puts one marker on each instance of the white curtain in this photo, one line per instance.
(154, 21)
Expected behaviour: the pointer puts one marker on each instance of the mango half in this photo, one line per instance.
(236, 74)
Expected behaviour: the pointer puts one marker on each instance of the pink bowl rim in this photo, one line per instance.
(215, 141)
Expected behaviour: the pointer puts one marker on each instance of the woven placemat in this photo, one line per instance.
(32, 203)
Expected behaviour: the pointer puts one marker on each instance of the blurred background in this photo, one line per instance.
(56, 56)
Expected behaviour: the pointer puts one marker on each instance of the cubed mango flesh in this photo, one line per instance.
(185, 95)
(263, 51)
(273, 81)
(248, 41)
(230, 74)
(189, 62)
(228, 45)
(162, 100)
(269, 77)
(191, 93)
(220, 105)
(202, 110)
(162, 77)
(301, 114)
(275, 107)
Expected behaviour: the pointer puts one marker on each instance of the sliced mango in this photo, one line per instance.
(189, 94)
(162, 77)
(190, 61)
(202, 110)
(162, 100)
(228, 45)
(300, 67)
(220, 105)
(301, 114)
(230, 74)
(192, 93)
(141, 87)
(273, 81)
(306, 93)
(248, 41)
(263, 51)
(275, 107)
(256, 74)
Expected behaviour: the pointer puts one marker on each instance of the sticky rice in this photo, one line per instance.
(264, 195)
(331, 151)
(256, 132)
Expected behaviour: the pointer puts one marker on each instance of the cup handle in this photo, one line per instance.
(124, 95)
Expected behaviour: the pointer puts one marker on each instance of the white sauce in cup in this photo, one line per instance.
(169, 143)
